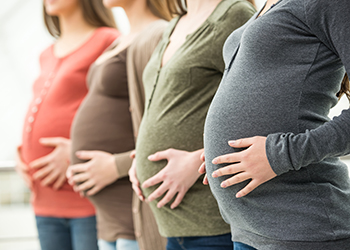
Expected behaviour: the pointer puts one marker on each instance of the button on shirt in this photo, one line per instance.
(57, 94)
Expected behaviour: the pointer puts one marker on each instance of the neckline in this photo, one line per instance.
(263, 7)
(87, 41)
(168, 35)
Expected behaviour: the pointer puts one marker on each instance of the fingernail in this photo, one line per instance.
(214, 174)
(150, 157)
(223, 185)
(238, 195)
(215, 161)
(231, 142)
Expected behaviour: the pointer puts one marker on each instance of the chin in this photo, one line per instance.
(58, 7)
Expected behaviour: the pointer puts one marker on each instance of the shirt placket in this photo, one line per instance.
(39, 99)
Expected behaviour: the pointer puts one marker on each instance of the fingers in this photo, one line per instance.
(135, 182)
(202, 169)
(160, 155)
(52, 141)
(205, 180)
(228, 158)
(84, 186)
(242, 143)
(93, 191)
(158, 192)
(75, 169)
(202, 157)
(59, 182)
(41, 162)
(228, 170)
(178, 199)
(153, 180)
(167, 198)
(133, 154)
(86, 155)
(238, 178)
(138, 192)
(50, 178)
(79, 178)
(247, 189)
(40, 174)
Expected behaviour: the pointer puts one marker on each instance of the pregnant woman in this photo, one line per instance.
(271, 150)
(180, 80)
(83, 29)
(102, 131)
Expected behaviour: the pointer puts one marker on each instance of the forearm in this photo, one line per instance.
(287, 151)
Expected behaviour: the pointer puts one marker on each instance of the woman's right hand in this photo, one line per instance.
(202, 169)
(22, 169)
(133, 178)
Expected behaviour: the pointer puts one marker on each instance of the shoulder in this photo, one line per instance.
(229, 11)
(105, 36)
(46, 54)
(147, 40)
(107, 31)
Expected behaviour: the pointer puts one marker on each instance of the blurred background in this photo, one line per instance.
(22, 38)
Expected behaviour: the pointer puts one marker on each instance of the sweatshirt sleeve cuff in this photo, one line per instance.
(123, 163)
(277, 154)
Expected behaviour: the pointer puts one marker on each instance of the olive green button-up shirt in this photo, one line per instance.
(178, 96)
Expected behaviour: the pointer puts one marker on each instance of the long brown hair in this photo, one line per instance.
(94, 13)
(178, 7)
(344, 88)
(160, 9)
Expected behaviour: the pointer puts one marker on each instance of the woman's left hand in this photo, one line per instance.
(94, 175)
(251, 163)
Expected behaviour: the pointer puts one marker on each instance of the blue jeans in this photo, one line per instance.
(241, 246)
(119, 244)
(219, 242)
(67, 234)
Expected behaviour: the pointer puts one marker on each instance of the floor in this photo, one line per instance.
(17, 228)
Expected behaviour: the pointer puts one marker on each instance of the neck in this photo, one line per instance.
(199, 6)
(139, 16)
(73, 24)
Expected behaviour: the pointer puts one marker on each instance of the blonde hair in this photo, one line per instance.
(94, 13)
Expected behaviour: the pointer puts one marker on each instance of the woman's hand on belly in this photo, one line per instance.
(251, 163)
(176, 178)
(93, 175)
(51, 168)
(133, 177)
(202, 170)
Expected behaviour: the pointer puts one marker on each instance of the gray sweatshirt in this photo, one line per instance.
(283, 71)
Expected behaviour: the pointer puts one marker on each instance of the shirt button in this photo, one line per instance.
(34, 109)
(44, 92)
(137, 234)
(47, 83)
(135, 210)
(38, 100)
(29, 129)
(30, 119)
